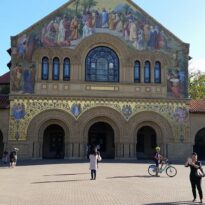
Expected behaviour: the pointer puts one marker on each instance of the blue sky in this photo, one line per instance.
(184, 18)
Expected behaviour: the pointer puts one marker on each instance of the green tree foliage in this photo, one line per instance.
(87, 5)
(197, 85)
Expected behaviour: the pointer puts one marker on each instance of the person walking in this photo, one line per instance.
(196, 173)
(12, 159)
(94, 157)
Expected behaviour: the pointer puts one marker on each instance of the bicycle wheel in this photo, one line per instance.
(152, 170)
(171, 171)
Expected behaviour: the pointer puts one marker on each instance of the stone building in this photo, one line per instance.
(103, 73)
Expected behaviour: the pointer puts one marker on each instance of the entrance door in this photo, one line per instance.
(1, 144)
(146, 142)
(53, 142)
(199, 146)
(102, 134)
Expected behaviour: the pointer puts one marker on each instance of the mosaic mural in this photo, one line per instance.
(23, 78)
(176, 113)
(82, 18)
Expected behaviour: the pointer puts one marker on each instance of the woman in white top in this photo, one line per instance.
(94, 156)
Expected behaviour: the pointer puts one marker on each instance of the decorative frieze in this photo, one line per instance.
(24, 110)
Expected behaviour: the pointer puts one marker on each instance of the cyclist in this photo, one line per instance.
(158, 158)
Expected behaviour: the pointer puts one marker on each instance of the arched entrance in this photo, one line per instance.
(199, 146)
(146, 142)
(53, 142)
(1, 144)
(102, 134)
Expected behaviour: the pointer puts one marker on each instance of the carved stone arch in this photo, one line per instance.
(38, 124)
(102, 114)
(159, 123)
(108, 40)
(199, 129)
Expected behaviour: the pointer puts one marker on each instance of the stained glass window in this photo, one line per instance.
(102, 65)
(56, 68)
(66, 69)
(137, 72)
(147, 76)
(45, 68)
(157, 72)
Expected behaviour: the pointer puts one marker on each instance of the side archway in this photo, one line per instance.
(39, 124)
(1, 144)
(154, 125)
(199, 145)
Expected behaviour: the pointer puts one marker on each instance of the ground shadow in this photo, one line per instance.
(174, 203)
(72, 174)
(60, 181)
(134, 176)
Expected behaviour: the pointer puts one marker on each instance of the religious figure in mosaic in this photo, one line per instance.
(76, 109)
(181, 114)
(16, 78)
(127, 110)
(18, 111)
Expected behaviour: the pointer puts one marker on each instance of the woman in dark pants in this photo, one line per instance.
(195, 180)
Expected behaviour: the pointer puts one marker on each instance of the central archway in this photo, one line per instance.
(146, 142)
(102, 134)
(53, 142)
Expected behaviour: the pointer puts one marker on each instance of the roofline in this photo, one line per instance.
(47, 16)
(143, 11)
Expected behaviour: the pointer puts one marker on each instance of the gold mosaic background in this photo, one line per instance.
(176, 113)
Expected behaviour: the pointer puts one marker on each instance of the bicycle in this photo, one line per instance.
(171, 171)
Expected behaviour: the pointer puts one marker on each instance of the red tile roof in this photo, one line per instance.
(4, 101)
(5, 79)
(197, 106)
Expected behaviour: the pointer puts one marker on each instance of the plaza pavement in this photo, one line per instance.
(66, 183)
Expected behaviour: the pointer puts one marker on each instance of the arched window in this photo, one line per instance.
(137, 72)
(102, 65)
(157, 72)
(45, 68)
(56, 68)
(66, 69)
(147, 76)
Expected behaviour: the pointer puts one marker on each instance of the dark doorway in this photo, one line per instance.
(53, 142)
(1, 144)
(102, 134)
(199, 146)
(146, 142)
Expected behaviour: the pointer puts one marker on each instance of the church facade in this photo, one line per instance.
(102, 73)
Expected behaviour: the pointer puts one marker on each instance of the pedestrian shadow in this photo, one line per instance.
(134, 176)
(174, 203)
(72, 174)
(60, 181)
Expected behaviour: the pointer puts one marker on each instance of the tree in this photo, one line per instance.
(197, 85)
(76, 6)
(87, 5)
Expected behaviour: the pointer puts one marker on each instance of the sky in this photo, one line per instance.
(184, 18)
